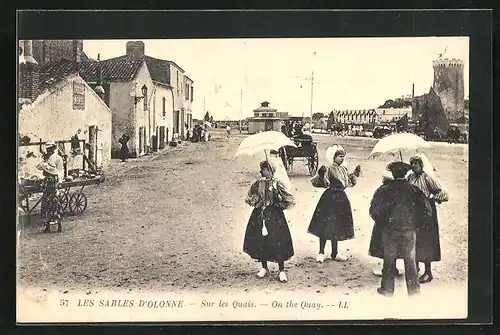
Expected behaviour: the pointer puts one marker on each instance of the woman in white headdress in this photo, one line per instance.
(332, 218)
(267, 236)
(428, 247)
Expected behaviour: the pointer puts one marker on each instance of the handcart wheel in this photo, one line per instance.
(313, 163)
(63, 201)
(77, 203)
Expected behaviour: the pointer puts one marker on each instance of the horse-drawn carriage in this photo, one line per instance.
(306, 151)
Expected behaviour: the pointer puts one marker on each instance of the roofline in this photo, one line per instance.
(173, 63)
(192, 81)
(162, 84)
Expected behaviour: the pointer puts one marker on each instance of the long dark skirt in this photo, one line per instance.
(428, 245)
(428, 248)
(277, 245)
(124, 152)
(332, 218)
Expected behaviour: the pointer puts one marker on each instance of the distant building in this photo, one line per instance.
(357, 116)
(265, 118)
(391, 115)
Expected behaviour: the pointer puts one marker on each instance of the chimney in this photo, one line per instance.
(99, 89)
(28, 52)
(135, 49)
(77, 50)
(29, 75)
(413, 90)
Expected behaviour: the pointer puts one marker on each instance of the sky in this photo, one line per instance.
(349, 73)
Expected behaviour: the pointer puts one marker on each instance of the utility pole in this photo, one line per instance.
(204, 109)
(241, 108)
(312, 94)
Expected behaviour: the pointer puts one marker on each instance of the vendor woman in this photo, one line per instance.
(53, 171)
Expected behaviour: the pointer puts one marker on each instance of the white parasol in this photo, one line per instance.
(267, 140)
(398, 142)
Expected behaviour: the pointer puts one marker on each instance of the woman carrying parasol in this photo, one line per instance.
(267, 236)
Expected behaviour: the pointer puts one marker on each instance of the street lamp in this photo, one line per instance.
(144, 91)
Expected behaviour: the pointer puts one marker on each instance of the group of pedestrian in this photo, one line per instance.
(403, 209)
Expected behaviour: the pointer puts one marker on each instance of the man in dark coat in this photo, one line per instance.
(397, 206)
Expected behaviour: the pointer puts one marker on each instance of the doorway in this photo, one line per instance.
(141, 142)
(176, 122)
(268, 125)
(162, 137)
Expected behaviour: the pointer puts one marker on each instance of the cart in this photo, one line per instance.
(306, 151)
(70, 190)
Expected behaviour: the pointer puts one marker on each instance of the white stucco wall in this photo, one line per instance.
(51, 117)
(157, 103)
(128, 117)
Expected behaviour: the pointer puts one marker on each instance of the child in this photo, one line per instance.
(267, 236)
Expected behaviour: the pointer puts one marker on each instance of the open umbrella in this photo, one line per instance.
(398, 142)
(267, 140)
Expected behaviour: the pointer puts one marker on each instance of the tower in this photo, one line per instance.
(45, 51)
(449, 86)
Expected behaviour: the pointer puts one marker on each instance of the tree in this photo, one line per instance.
(207, 117)
(211, 119)
(317, 116)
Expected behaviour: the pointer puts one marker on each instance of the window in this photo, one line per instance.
(186, 91)
(163, 107)
(192, 93)
(78, 95)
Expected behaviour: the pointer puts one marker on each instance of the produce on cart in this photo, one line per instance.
(33, 186)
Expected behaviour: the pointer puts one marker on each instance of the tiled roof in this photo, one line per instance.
(159, 69)
(112, 70)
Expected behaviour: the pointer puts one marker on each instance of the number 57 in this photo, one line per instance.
(63, 302)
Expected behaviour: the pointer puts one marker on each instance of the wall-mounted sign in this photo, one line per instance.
(78, 95)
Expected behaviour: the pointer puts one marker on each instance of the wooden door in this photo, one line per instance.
(162, 137)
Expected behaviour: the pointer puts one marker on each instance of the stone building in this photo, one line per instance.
(449, 86)
(123, 82)
(55, 108)
(45, 51)
(174, 91)
(264, 119)
(429, 112)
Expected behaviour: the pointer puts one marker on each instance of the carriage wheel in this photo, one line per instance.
(312, 163)
(63, 201)
(77, 203)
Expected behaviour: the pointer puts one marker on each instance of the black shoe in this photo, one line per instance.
(384, 293)
(46, 230)
(425, 278)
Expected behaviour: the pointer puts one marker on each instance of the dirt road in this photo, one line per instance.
(175, 221)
